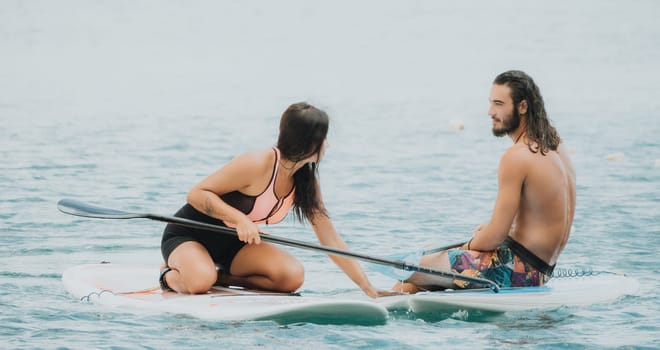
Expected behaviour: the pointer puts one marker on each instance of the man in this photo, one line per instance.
(535, 204)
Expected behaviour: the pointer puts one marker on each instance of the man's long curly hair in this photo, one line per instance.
(542, 136)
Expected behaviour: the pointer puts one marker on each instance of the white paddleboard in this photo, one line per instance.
(558, 292)
(134, 288)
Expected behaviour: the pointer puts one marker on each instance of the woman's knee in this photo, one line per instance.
(198, 281)
(194, 277)
(196, 270)
(291, 278)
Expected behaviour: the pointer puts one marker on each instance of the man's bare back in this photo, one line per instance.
(547, 204)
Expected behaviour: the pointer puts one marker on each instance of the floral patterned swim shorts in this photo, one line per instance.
(510, 265)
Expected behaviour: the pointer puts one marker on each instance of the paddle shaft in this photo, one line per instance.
(440, 249)
(270, 238)
(73, 207)
(305, 245)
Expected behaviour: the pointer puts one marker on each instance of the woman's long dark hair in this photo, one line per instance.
(537, 128)
(303, 129)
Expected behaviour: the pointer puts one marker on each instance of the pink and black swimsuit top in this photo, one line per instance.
(265, 207)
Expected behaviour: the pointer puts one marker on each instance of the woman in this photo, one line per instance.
(255, 188)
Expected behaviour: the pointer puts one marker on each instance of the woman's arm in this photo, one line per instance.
(243, 173)
(328, 236)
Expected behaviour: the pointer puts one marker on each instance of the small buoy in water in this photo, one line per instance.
(456, 124)
(616, 156)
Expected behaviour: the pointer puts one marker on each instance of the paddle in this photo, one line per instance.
(439, 249)
(73, 207)
(409, 257)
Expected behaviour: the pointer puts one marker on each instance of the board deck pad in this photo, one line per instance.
(135, 288)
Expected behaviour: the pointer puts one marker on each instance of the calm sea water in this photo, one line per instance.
(128, 104)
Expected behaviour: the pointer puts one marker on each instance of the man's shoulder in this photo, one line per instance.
(518, 159)
(518, 152)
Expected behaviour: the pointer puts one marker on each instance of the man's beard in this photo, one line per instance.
(508, 124)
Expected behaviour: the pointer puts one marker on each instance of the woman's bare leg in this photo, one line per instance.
(260, 266)
(264, 266)
(193, 270)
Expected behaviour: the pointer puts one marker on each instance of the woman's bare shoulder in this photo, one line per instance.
(255, 159)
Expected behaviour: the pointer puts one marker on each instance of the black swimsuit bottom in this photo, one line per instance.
(528, 257)
(222, 247)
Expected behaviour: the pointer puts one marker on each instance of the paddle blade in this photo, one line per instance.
(74, 207)
(397, 273)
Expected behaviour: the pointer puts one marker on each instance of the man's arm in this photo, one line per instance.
(511, 177)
